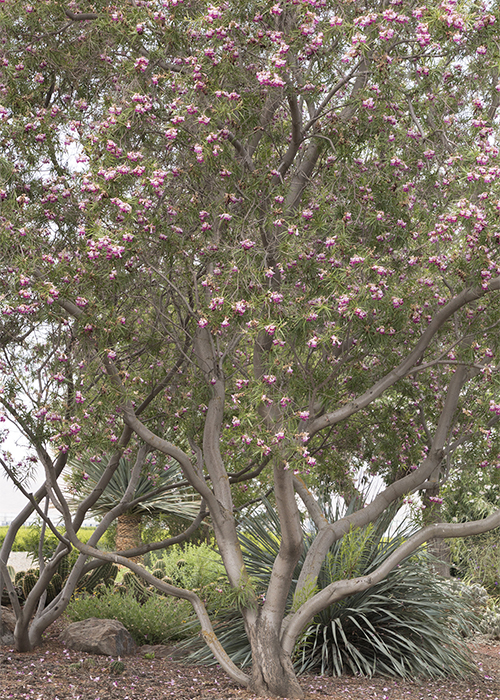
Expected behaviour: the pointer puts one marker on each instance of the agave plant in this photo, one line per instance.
(158, 497)
(409, 625)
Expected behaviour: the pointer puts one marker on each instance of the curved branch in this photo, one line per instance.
(34, 503)
(333, 532)
(80, 16)
(312, 506)
(172, 451)
(206, 626)
(341, 589)
(445, 313)
(290, 549)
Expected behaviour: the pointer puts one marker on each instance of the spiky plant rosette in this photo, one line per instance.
(156, 488)
(408, 625)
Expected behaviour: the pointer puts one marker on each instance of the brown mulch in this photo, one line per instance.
(52, 672)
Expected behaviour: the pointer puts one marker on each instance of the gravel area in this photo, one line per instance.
(52, 672)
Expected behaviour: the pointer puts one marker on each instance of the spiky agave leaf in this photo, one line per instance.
(407, 625)
(179, 501)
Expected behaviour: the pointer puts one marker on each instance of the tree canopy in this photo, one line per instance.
(261, 239)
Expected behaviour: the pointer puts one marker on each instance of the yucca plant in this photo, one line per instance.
(178, 502)
(409, 625)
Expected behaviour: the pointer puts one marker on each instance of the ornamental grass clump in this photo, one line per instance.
(409, 625)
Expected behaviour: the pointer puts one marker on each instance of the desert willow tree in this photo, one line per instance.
(260, 236)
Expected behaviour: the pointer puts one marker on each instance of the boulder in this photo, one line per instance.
(7, 639)
(96, 636)
(7, 624)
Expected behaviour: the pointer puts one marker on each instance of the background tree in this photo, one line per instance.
(269, 231)
(153, 492)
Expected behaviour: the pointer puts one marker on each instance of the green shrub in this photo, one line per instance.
(155, 621)
(477, 560)
(191, 566)
(490, 623)
(486, 608)
(149, 616)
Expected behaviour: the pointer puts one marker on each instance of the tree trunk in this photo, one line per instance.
(272, 669)
(438, 548)
(128, 533)
(22, 641)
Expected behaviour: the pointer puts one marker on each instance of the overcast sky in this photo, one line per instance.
(11, 499)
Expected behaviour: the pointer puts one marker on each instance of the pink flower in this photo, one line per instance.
(240, 307)
(269, 378)
(356, 259)
(495, 407)
(247, 244)
(141, 64)
(266, 78)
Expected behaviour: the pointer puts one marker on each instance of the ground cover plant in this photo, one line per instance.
(259, 242)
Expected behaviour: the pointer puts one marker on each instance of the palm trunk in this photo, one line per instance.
(128, 533)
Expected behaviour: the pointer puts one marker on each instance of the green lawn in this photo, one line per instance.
(28, 536)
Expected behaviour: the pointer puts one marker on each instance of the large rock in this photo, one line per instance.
(7, 627)
(96, 636)
(8, 620)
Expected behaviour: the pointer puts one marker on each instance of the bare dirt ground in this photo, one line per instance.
(52, 672)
